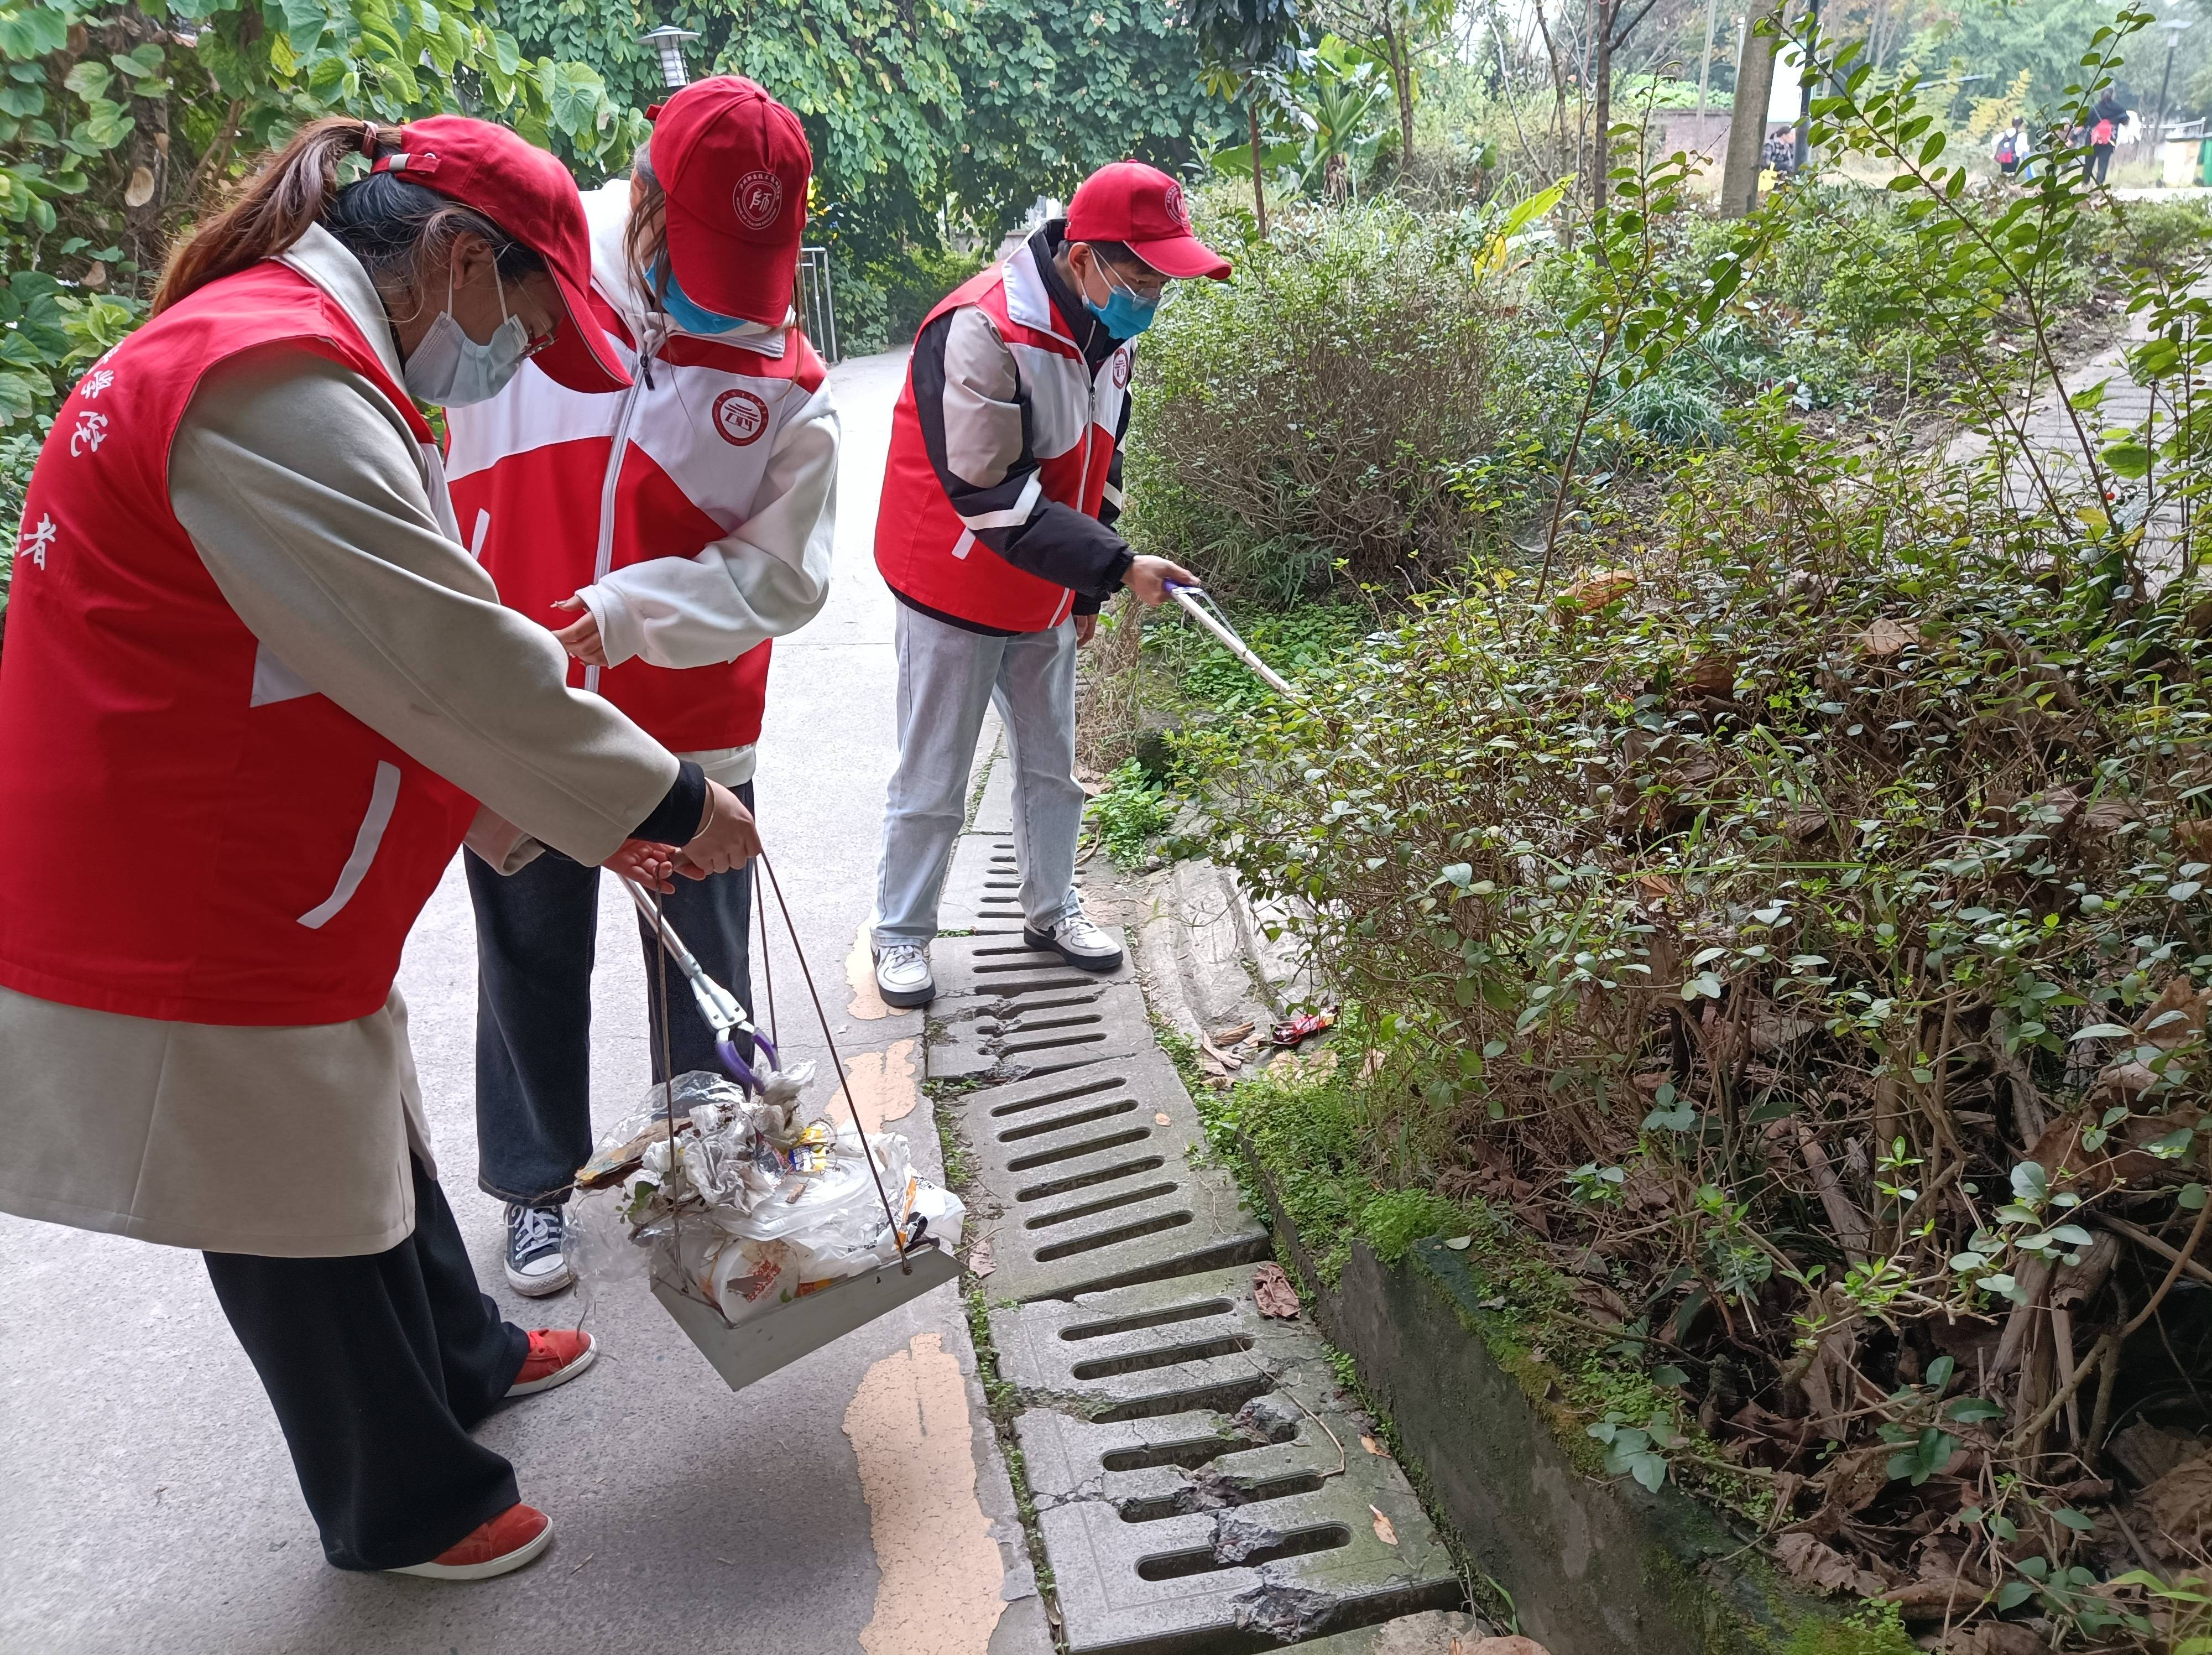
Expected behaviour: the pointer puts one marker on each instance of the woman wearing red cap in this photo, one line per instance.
(996, 535)
(669, 533)
(254, 681)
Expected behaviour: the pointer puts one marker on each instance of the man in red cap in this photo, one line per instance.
(996, 535)
(668, 533)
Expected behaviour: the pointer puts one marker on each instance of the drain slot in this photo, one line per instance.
(1299, 1543)
(1058, 1122)
(1091, 1208)
(1068, 1096)
(1198, 1450)
(1144, 1361)
(1214, 1492)
(1197, 1310)
(1010, 1047)
(1223, 1398)
(1113, 1140)
(1104, 1175)
(1111, 1238)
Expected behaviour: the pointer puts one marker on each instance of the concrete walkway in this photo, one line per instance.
(853, 1501)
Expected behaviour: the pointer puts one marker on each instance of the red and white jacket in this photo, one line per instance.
(693, 514)
(259, 852)
(1004, 478)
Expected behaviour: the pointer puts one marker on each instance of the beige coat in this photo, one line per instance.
(327, 529)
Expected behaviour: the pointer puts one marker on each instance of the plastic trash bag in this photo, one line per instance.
(743, 1206)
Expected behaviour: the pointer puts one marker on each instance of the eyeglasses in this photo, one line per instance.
(1144, 293)
(541, 341)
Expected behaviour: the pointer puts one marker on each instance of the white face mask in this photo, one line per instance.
(451, 370)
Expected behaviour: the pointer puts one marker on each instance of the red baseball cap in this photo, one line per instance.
(1127, 201)
(530, 195)
(734, 165)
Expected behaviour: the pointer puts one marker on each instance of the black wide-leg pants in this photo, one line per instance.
(378, 1365)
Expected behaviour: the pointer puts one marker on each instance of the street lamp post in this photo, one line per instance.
(668, 41)
(2172, 26)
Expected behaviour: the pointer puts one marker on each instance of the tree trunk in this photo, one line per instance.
(1259, 190)
(1601, 102)
(1400, 44)
(1747, 138)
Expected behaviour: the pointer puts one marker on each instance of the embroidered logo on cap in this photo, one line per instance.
(1177, 211)
(740, 416)
(759, 199)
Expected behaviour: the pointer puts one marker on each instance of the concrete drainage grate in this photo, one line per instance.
(1086, 1177)
(983, 890)
(1006, 1011)
(1201, 1480)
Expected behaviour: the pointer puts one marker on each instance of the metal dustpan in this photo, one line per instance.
(753, 1350)
(743, 1351)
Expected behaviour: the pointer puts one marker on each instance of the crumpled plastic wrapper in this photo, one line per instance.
(745, 1205)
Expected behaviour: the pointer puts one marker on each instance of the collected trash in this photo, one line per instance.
(1305, 1025)
(745, 1207)
(764, 1234)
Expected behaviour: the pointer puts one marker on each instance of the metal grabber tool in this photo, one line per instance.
(1201, 608)
(722, 1008)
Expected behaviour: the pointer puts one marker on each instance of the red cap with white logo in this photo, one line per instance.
(734, 164)
(1142, 206)
(530, 195)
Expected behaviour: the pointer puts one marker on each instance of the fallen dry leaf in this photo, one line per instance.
(1515, 1646)
(1272, 1292)
(1384, 1531)
(137, 193)
(979, 1262)
(1596, 589)
(1231, 1037)
(1373, 1447)
(1207, 1049)
(1160, 1118)
(1886, 638)
(1820, 1565)
(2179, 1506)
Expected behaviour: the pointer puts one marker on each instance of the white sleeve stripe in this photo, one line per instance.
(1113, 496)
(1016, 513)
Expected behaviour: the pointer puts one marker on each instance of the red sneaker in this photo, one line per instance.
(513, 1538)
(556, 1356)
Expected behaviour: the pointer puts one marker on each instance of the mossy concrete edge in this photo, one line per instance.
(1594, 1566)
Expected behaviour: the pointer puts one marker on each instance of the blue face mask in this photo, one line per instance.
(692, 319)
(1123, 315)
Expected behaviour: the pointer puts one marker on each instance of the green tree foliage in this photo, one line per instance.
(1053, 92)
(1249, 48)
(925, 115)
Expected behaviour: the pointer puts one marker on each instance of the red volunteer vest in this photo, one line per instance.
(528, 473)
(923, 548)
(241, 850)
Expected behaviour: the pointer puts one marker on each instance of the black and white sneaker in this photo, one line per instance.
(536, 1263)
(1078, 942)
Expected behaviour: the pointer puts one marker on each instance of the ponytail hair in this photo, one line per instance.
(393, 227)
(645, 237)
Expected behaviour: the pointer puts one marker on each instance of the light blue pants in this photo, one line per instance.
(947, 675)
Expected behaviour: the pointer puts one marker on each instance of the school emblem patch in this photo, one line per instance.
(758, 199)
(1177, 211)
(1121, 370)
(740, 416)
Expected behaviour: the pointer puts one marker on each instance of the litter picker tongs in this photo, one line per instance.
(722, 1008)
(1201, 608)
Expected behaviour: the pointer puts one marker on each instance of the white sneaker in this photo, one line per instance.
(903, 976)
(1078, 942)
(537, 1260)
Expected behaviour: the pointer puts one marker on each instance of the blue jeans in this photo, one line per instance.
(537, 934)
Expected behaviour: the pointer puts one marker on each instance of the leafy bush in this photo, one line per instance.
(1132, 811)
(1314, 411)
(880, 305)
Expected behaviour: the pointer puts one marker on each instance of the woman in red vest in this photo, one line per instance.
(252, 678)
(668, 533)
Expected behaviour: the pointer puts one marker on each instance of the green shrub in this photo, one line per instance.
(1132, 811)
(1313, 413)
(880, 305)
